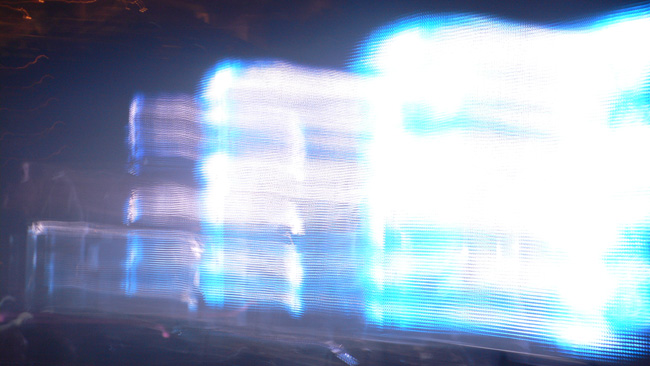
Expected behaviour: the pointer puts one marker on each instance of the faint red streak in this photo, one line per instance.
(55, 153)
(53, 1)
(139, 3)
(42, 133)
(23, 2)
(46, 76)
(27, 64)
(22, 10)
(70, 1)
(30, 110)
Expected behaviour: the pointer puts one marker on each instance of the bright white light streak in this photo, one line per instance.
(293, 269)
(132, 209)
(488, 126)
(281, 159)
(558, 81)
(133, 131)
(283, 123)
(215, 172)
(216, 93)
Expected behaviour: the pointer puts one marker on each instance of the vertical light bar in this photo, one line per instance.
(132, 263)
(213, 172)
(135, 155)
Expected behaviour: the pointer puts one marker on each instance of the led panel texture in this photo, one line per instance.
(468, 179)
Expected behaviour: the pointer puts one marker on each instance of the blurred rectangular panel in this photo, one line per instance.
(163, 131)
(280, 170)
(82, 266)
(163, 204)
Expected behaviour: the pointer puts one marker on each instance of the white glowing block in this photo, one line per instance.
(482, 126)
(283, 123)
(283, 163)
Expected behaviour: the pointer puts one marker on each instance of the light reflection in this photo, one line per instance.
(472, 177)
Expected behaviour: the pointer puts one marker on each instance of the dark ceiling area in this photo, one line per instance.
(68, 68)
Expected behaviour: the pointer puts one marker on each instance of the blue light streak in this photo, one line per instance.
(161, 264)
(473, 176)
(135, 153)
(131, 264)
